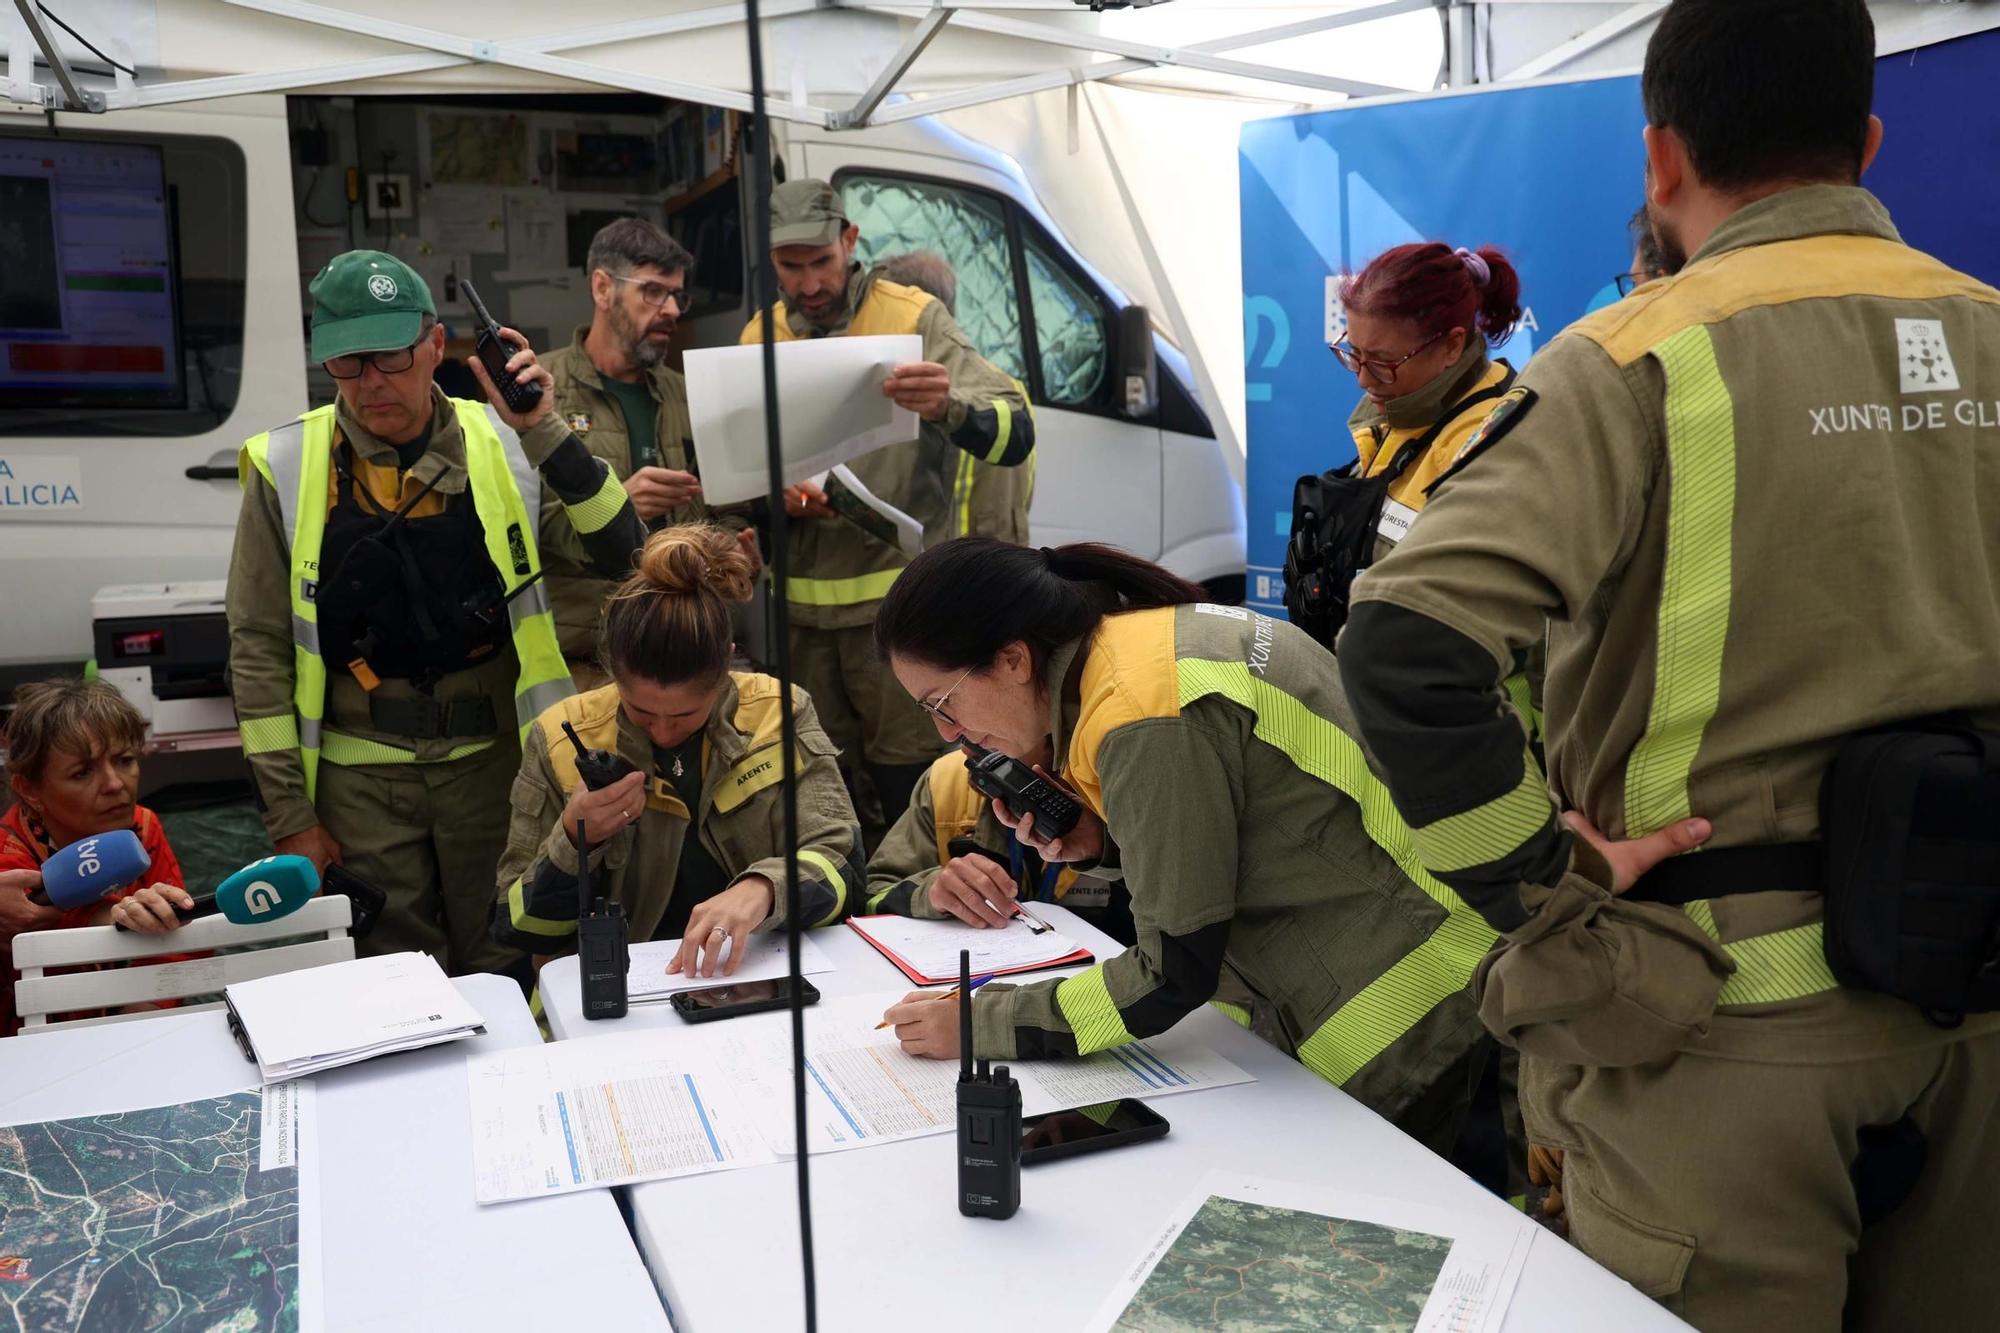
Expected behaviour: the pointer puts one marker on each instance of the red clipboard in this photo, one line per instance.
(859, 924)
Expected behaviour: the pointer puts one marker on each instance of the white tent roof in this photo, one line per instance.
(1125, 122)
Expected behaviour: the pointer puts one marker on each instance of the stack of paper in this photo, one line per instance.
(765, 958)
(927, 951)
(299, 1023)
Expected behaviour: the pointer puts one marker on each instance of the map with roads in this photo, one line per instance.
(1248, 1266)
(152, 1221)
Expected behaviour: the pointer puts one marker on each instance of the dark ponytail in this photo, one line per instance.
(960, 603)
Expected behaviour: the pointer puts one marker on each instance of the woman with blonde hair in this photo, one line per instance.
(689, 841)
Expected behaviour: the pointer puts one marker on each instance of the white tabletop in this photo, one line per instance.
(403, 1245)
(893, 1253)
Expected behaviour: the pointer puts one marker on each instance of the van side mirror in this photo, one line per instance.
(1138, 366)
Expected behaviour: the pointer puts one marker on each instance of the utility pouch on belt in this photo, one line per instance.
(1911, 818)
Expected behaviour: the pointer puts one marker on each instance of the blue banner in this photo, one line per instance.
(1549, 175)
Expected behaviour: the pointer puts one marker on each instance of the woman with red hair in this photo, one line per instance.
(1420, 318)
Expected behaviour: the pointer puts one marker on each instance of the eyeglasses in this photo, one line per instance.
(1627, 282)
(657, 294)
(1384, 370)
(935, 707)
(392, 362)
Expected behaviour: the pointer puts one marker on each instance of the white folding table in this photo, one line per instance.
(893, 1253)
(403, 1246)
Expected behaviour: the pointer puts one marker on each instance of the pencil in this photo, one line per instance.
(951, 994)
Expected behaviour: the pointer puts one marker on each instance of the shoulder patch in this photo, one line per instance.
(1506, 414)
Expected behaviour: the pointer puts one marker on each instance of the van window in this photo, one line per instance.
(1072, 331)
(123, 313)
(898, 214)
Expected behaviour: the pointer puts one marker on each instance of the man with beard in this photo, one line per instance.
(615, 390)
(1756, 506)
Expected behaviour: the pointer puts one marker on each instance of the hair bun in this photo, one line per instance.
(684, 559)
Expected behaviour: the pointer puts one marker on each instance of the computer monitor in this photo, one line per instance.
(89, 309)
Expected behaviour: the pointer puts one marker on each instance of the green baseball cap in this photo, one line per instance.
(806, 212)
(366, 301)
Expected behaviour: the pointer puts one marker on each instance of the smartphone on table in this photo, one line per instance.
(748, 997)
(1082, 1129)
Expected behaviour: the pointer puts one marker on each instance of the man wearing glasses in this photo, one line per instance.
(389, 632)
(615, 389)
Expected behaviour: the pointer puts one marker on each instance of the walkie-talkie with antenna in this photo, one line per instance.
(989, 1122)
(494, 351)
(602, 944)
(1021, 789)
(598, 768)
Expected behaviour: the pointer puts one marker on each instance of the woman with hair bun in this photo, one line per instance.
(691, 842)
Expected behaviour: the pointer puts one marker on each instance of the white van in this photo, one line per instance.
(152, 312)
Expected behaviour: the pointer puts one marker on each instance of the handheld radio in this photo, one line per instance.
(493, 351)
(989, 1122)
(602, 947)
(1018, 787)
(598, 768)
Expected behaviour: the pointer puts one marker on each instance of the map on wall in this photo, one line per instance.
(164, 1219)
(478, 150)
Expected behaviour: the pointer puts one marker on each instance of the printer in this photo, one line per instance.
(165, 647)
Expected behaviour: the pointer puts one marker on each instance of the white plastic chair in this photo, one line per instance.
(314, 935)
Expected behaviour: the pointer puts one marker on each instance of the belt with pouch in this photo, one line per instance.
(430, 720)
(1680, 880)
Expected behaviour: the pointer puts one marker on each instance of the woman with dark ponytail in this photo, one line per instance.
(688, 840)
(1420, 319)
(1215, 758)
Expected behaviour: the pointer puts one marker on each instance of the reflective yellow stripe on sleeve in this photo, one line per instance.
(841, 592)
(528, 923)
(588, 516)
(1783, 965)
(1085, 1001)
(826, 867)
(1003, 430)
(1490, 832)
(264, 735)
(1235, 1013)
(1694, 591)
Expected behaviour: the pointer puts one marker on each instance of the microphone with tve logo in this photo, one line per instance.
(261, 891)
(83, 872)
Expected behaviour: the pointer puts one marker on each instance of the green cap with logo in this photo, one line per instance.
(806, 212)
(367, 301)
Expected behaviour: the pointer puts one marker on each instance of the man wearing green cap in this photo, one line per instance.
(389, 633)
(841, 569)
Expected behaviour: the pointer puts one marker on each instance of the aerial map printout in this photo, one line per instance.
(1248, 1255)
(168, 1220)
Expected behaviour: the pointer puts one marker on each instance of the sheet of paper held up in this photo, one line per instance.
(830, 407)
(863, 1090)
(764, 959)
(574, 1115)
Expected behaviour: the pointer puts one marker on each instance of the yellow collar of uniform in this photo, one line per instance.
(444, 457)
(1061, 677)
(1809, 210)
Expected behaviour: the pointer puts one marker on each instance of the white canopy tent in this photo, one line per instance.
(1126, 122)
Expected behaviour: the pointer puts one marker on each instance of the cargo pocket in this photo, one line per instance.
(1652, 1258)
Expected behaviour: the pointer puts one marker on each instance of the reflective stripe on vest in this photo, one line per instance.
(296, 460)
(841, 592)
(1376, 1016)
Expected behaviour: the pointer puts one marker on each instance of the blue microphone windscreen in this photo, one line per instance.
(268, 889)
(89, 868)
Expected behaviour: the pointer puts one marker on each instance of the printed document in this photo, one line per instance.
(830, 408)
(764, 959)
(1246, 1253)
(861, 1089)
(575, 1115)
(298, 1023)
(927, 951)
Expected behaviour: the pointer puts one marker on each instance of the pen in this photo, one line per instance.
(1035, 925)
(951, 994)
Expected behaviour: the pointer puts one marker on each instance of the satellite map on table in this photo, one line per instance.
(157, 1220)
(1248, 1266)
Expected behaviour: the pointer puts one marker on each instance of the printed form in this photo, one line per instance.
(576, 1115)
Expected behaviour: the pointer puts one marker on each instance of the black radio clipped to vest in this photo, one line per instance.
(1021, 789)
(989, 1122)
(598, 768)
(494, 351)
(603, 954)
